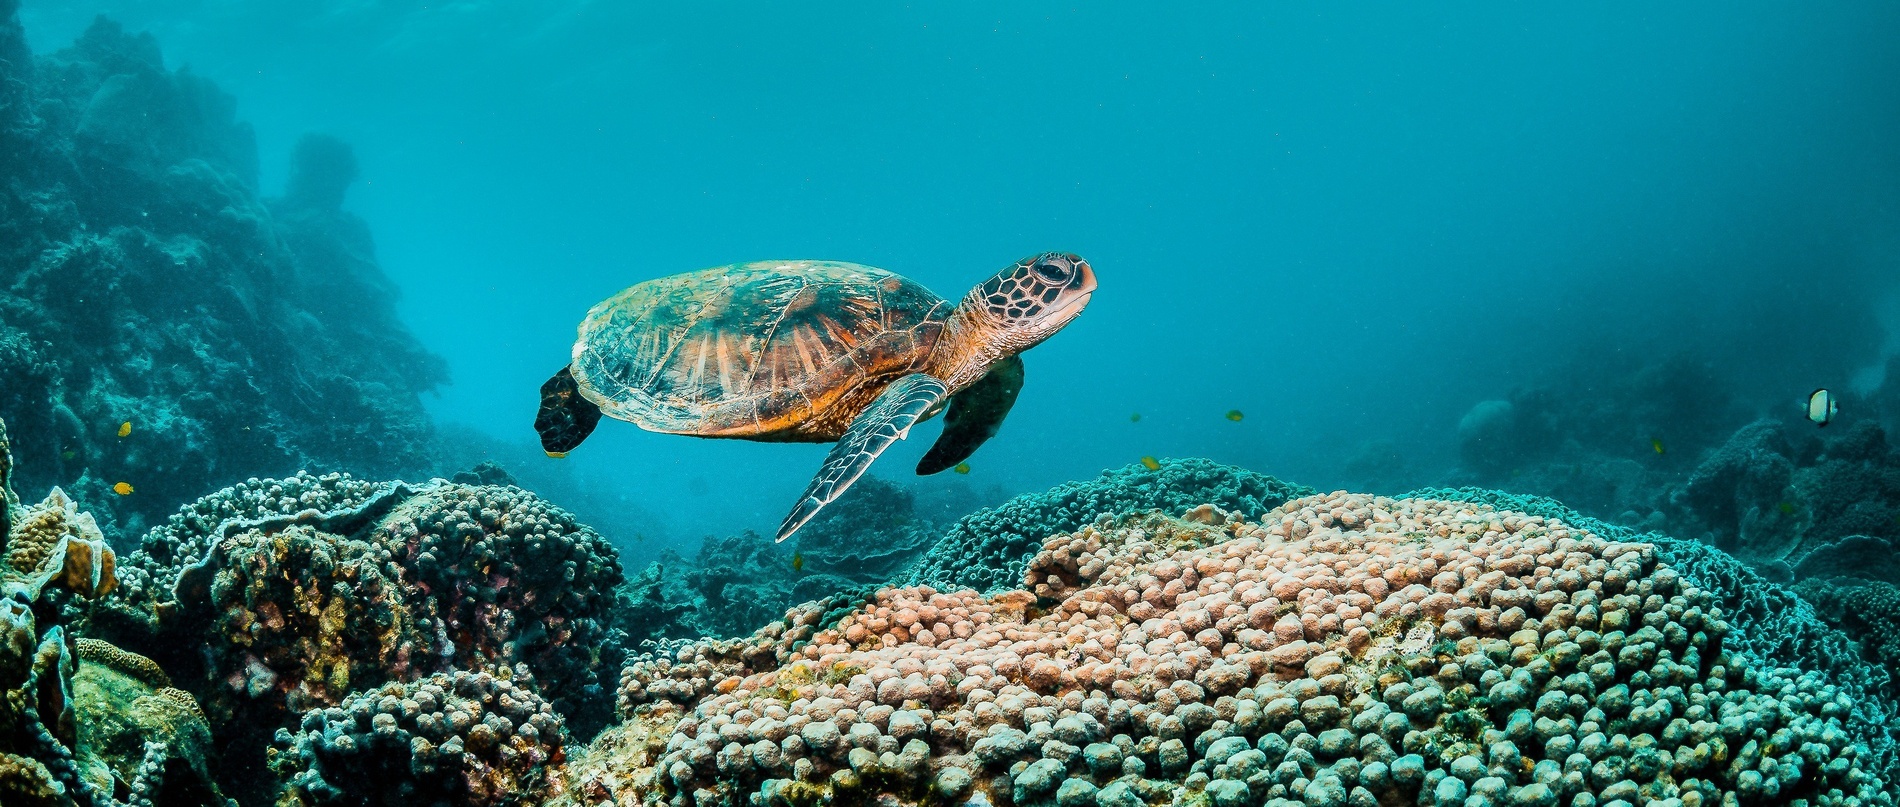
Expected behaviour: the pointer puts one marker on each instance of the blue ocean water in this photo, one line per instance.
(1352, 224)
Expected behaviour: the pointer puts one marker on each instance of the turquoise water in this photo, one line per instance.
(1351, 224)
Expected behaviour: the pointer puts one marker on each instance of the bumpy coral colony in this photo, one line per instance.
(1344, 650)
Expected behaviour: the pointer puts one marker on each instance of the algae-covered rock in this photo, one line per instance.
(146, 732)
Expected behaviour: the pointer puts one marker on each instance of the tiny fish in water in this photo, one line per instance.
(798, 562)
(1656, 444)
(1152, 463)
(125, 428)
(1822, 407)
(122, 488)
(1234, 415)
(559, 455)
(1786, 508)
(962, 468)
(67, 454)
(1134, 418)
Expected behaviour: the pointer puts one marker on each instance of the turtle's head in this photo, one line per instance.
(1035, 297)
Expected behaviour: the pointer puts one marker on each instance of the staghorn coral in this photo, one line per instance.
(986, 550)
(466, 738)
(1345, 650)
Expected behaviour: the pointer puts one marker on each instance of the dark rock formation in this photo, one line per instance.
(144, 280)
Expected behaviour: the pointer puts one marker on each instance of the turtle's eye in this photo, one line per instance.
(1054, 270)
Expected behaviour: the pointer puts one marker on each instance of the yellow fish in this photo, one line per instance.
(962, 468)
(798, 562)
(1151, 463)
(122, 488)
(1656, 444)
(1234, 415)
(1786, 508)
(1134, 418)
(559, 455)
(125, 428)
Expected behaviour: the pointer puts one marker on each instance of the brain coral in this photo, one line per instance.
(1344, 650)
(986, 550)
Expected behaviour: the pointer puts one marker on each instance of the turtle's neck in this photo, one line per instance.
(972, 342)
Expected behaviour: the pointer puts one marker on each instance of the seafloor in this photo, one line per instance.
(327, 640)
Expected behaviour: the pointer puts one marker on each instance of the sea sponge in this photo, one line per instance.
(481, 739)
(1344, 649)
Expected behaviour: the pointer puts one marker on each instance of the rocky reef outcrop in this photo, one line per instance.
(144, 280)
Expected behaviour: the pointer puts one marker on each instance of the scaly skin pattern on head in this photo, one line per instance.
(1010, 313)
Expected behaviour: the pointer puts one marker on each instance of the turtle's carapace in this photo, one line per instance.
(812, 351)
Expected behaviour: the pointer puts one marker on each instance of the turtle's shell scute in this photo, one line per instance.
(754, 348)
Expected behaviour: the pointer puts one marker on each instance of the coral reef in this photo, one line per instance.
(81, 721)
(1608, 434)
(279, 598)
(1867, 610)
(987, 550)
(1799, 507)
(735, 583)
(466, 738)
(143, 279)
(1345, 649)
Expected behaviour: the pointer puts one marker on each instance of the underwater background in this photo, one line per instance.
(1586, 264)
(1352, 227)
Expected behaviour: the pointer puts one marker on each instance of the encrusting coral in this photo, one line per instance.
(1346, 649)
(986, 550)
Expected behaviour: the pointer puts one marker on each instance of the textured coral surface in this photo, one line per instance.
(1345, 650)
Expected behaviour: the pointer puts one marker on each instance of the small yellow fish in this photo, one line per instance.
(67, 454)
(559, 455)
(798, 562)
(122, 488)
(1786, 508)
(1656, 444)
(1134, 418)
(125, 428)
(1234, 415)
(1151, 463)
(962, 468)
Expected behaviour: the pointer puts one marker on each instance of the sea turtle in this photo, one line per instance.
(813, 352)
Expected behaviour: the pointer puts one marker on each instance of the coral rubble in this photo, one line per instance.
(145, 280)
(1345, 649)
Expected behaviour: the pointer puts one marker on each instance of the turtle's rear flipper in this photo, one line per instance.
(887, 420)
(565, 418)
(975, 415)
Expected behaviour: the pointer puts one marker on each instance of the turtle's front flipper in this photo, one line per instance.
(565, 418)
(975, 415)
(887, 420)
